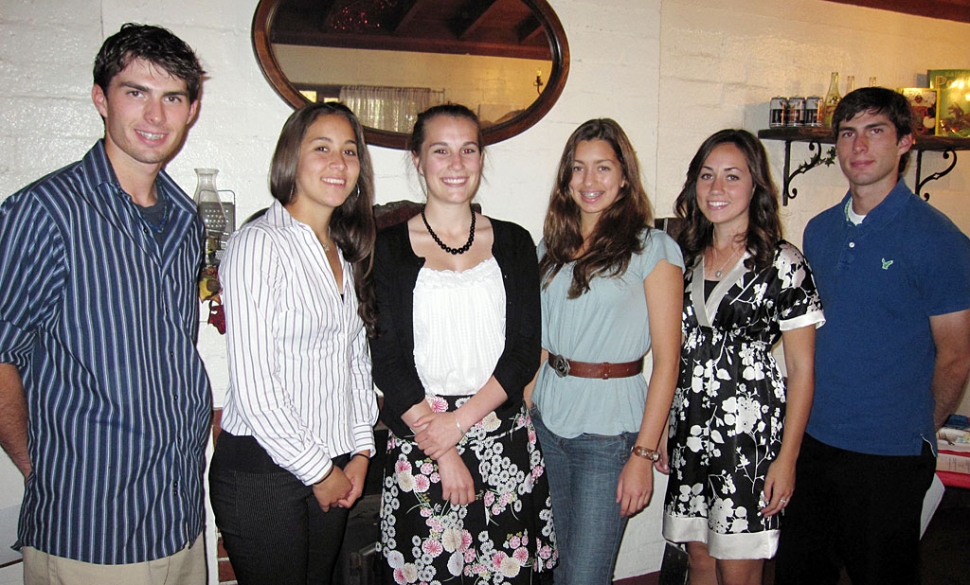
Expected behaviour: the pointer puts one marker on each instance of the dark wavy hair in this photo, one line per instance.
(455, 111)
(154, 44)
(617, 234)
(352, 224)
(764, 225)
(877, 100)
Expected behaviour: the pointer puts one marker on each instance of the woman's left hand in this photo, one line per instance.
(438, 433)
(635, 487)
(779, 486)
(356, 472)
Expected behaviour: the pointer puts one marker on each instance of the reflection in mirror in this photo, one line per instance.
(391, 59)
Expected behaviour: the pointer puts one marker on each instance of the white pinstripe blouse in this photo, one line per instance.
(299, 363)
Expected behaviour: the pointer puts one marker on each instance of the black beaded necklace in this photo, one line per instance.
(455, 251)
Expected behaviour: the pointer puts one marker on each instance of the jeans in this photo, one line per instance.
(583, 474)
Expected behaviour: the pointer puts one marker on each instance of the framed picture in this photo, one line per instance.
(923, 101)
(953, 105)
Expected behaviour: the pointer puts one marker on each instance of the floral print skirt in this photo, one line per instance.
(501, 537)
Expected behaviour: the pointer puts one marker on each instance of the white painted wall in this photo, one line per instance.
(670, 71)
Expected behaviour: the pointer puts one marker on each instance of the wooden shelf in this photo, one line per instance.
(816, 136)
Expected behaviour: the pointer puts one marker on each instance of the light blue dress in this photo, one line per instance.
(609, 323)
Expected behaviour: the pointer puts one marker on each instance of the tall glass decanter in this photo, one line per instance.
(213, 215)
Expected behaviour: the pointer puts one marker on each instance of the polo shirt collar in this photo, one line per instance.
(882, 214)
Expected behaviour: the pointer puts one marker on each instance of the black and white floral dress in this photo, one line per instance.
(728, 413)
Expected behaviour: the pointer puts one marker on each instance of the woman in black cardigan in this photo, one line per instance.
(465, 493)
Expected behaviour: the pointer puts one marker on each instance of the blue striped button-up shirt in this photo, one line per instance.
(100, 319)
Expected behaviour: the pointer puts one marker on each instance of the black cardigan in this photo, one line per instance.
(396, 270)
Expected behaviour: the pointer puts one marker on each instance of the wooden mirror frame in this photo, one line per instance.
(558, 47)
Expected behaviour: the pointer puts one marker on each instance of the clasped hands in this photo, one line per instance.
(341, 487)
(437, 432)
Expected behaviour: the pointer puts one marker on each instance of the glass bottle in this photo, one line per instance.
(832, 99)
(849, 84)
(213, 216)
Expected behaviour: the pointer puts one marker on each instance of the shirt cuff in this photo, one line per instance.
(364, 438)
(311, 467)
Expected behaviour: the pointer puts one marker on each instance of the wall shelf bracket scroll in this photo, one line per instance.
(935, 176)
(789, 192)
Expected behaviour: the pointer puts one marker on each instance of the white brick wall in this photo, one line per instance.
(670, 71)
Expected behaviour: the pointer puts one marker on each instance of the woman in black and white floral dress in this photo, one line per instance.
(465, 496)
(735, 426)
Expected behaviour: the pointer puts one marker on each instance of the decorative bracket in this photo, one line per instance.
(817, 159)
(935, 176)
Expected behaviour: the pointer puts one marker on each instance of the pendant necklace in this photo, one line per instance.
(437, 240)
(720, 271)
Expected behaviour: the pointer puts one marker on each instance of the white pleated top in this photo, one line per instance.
(459, 327)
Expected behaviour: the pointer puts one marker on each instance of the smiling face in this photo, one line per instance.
(724, 188)
(450, 159)
(328, 168)
(597, 177)
(146, 113)
(869, 151)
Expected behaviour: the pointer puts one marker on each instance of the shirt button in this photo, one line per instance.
(852, 244)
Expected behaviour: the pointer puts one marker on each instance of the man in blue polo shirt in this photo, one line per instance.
(104, 402)
(890, 364)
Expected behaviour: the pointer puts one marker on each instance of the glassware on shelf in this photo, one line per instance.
(849, 84)
(827, 107)
(213, 214)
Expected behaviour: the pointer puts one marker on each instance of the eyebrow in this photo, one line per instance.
(866, 127)
(469, 143)
(710, 168)
(145, 89)
(329, 140)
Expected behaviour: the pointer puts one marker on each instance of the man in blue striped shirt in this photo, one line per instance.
(104, 402)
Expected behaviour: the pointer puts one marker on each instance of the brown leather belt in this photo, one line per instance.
(604, 371)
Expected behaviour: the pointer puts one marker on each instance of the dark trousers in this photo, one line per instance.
(857, 510)
(272, 526)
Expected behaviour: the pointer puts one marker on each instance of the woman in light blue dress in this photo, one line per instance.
(611, 290)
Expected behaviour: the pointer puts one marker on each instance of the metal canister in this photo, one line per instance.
(778, 112)
(811, 111)
(796, 111)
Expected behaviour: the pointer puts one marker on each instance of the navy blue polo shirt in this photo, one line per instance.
(880, 282)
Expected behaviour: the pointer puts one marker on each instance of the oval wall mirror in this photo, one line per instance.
(390, 59)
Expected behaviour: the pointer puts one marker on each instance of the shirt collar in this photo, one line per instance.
(97, 165)
(278, 216)
(883, 213)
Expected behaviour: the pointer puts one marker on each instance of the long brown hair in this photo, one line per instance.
(764, 225)
(352, 224)
(616, 236)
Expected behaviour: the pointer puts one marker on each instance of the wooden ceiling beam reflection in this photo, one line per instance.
(474, 17)
(494, 28)
(412, 7)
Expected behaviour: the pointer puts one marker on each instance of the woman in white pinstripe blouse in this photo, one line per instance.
(299, 414)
